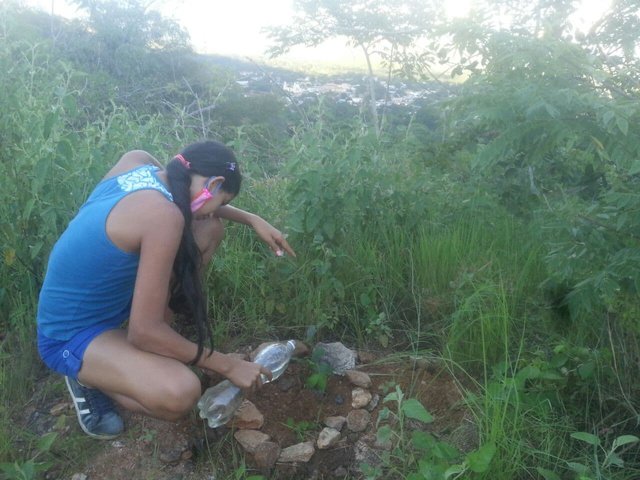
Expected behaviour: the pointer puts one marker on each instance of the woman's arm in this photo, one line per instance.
(234, 214)
(268, 233)
(160, 230)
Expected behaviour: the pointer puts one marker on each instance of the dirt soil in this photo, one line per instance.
(189, 450)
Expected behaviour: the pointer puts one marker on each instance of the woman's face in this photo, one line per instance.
(208, 195)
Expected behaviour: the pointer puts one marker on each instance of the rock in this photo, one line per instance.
(250, 439)
(170, 456)
(302, 349)
(363, 453)
(266, 455)
(52, 474)
(299, 453)
(466, 437)
(328, 438)
(339, 357)
(285, 383)
(359, 379)
(375, 400)
(358, 420)
(340, 472)
(360, 397)
(248, 417)
(366, 357)
(59, 408)
(431, 365)
(78, 476)
(335, 422)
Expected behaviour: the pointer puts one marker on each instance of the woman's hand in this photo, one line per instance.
(247, 375)
(272, 237)
(243, 374)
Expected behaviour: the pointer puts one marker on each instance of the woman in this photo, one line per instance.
(135, 251)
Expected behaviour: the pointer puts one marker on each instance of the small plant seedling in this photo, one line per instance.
(301, 428)
(320, 371)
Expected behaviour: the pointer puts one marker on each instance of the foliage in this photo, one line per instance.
(469, 227)
(320, 371)
(428, 458)
(552, 121)
(30, 469)
(302, 429)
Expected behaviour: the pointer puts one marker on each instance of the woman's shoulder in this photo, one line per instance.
(142, 216)
(131, 160)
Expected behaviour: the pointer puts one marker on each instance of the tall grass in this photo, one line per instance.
(391, 254)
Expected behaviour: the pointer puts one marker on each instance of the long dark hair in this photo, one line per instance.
(209, 159)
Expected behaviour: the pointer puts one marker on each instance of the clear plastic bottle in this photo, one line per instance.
(219, 402)
(275, 357)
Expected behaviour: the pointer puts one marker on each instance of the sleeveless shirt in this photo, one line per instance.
(89, 280)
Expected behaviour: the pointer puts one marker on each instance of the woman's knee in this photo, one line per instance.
(177, 396)
(208, 234)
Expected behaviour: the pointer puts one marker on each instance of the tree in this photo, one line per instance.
(552, 119)
(389, 30)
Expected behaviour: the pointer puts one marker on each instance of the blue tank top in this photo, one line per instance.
(90, 280)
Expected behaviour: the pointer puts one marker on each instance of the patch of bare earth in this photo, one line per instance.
(292, 414)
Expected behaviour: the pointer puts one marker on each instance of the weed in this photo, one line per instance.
(29, 469)
(302, 429)
(320, 369)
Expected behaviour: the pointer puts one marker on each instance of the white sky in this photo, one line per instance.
(233, 27)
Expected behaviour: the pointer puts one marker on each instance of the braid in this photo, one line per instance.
(186, 288)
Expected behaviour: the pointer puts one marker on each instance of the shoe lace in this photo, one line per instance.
(98, 402)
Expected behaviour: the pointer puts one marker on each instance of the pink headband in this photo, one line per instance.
(183, 161)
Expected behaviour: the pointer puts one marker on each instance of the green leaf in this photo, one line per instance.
(49, 121)
(613, 459)
(28, 207)
(422, 440)
(445, 451)
(586, 437)
(608, 116)
(480, 460)
(45, 441)
(635, 168)
(453, 470)
(384, 414)
(11, 469)
(624, 440)
(550, 375)
(70, 105)
(34, 249)
(547, 474)
(384, 433)
(623, 125)
(578, 467)
(391, 397)
(586, 370)
(65, 149)
(412, 408)
(558, 360)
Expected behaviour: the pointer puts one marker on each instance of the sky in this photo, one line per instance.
(234, 27)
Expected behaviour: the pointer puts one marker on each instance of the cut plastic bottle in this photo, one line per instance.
(218, 403)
